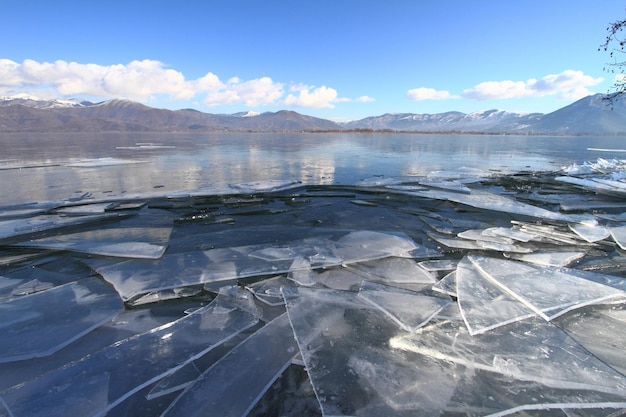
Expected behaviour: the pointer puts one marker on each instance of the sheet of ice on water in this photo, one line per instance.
(548, 291)
(40, 324)
(143, 243)
(601, 331)
(326, 248)
(490, 201)
(483, 305)
(129, 365)
(530, 350)
(548, 258)
(398, 270)
(19, 227)
(265, 186)
(344, 342)
(410, 310)
(234, 384)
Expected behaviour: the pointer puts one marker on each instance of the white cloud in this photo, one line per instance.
(569, 84)
(365, 99)
(423, 93)
(252, 93)
(306, 97)
(146, 80)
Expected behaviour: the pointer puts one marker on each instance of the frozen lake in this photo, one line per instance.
(38, 166)
(309, 275)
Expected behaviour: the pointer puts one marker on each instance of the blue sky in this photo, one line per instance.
(340, 60)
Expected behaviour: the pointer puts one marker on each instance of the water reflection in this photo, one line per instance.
(192, 161)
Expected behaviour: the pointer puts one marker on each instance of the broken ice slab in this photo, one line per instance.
(344, 342)
(19, 227)
(339, 278)
(40, 324)
(266, 186)
(326, 248)
(550, 234)
(408, 309)
(164, 295)
(130, 365)
(601, 331)
(530, 350)
(448, 185)
(233, 385)
(548, 258)
(483, 305)
(619, 236)
(438, 265)
(393, 270)
(598, 185)
(542, 289)
(124, 325)
(489, 201)
(268, 290)
(590, 233)
(509, 233)
(479, 235)
(446, 285)
(141, 243)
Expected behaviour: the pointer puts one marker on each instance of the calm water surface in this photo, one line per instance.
(37, 167)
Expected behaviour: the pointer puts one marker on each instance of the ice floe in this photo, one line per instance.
(458, 293)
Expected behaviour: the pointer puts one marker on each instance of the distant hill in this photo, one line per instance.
(590, 115)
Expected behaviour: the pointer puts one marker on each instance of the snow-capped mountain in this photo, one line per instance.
(484, 121)
(22, 113)
(589, 115)
(38, 103)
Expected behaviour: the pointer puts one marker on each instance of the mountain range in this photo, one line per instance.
(23, 113)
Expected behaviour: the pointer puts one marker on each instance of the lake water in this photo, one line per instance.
(39, 167)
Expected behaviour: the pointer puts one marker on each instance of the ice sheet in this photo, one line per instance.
(40, 324)
(619, 236)
(408, 309)
(266, 186)
(601, 331)
(489, 201)
(484, 305)
(268, 290)
(344, 343)
(234, 384)
(590, 233)
(19, 227)
(130, 365)
(131, 242)
(446, 285)
(397, 270)
(544, 288)
(328, 248)
(531, 350)
(549, 258)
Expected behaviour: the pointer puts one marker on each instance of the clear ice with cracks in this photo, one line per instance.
(106, 378)
(410, 310)
(548, 291)
(344, 342)
(234, 384)
(324, 249)
(530, 350)
(601, 331)
(484, 305)
(40, 324)
(141, 243)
